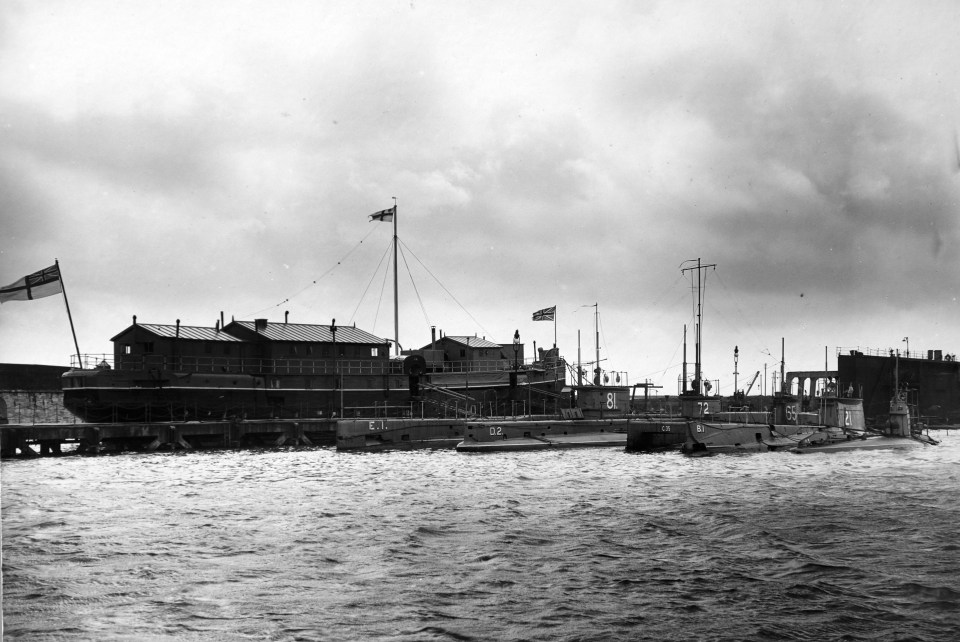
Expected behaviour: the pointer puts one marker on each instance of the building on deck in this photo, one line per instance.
(247, 346)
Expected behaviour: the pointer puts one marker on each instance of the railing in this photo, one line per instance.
(494, 365)
(229, 365)
(904, 353)
(214, 365)
(91, 361)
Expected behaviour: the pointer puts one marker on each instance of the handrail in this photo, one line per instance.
(328, 366)
(91, 361)
(227, 365)
(891, 352)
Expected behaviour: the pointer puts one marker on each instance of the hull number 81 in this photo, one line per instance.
(611, 400)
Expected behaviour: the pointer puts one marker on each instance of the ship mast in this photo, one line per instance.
(596, 328)
(698, 331)
(396, 295)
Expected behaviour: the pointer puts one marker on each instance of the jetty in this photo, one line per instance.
(37, 440)
(358, 435)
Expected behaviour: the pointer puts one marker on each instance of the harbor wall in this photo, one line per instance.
(33, 407)
(933, 384)
(31, 394)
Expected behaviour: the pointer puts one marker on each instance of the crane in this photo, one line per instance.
(752, 381)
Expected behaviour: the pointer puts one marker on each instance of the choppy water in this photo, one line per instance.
(596, 544)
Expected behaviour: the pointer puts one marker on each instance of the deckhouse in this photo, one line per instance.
(466, 351)
(246, 346)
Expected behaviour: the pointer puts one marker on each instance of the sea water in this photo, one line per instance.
(592, 544)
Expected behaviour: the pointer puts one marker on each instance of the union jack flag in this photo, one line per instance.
(546, 314)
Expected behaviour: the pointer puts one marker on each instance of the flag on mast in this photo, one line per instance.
(46, 282)
(546, 314)
(384, 215)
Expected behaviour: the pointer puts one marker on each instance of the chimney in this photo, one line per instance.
(259, 324)
(218, 327)
(178, 328)
(134, 319)
(433, 337)
(286, 316)
(222, 324)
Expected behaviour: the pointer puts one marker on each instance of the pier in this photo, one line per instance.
(39, 440)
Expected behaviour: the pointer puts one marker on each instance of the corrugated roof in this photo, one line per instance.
(312, 333)
(187, 332)
(473, 342)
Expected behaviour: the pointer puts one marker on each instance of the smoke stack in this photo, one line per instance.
(134, 319)
(433, 337)
(178, 328)
(286, 316)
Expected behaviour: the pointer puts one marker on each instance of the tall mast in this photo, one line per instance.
(396, 294)
(783, 359)
(698, 331)
(684, 358)
(579, 362)
(596, 328)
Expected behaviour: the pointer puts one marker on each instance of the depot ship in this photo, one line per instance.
(259, 369)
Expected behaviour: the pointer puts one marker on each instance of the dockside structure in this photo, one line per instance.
(932, 378)
(261, 369)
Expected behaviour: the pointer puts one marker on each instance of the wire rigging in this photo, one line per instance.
(467, 312)
(383, 289)
(416, 291)
(404, 249)
(745, 320)
(314, 282)
(369, 283)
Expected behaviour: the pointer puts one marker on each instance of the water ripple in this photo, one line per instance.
(312, 544)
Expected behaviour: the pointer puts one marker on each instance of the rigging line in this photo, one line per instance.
(604, 336)
(671, 364)
(383, 288)
(415, 289)
(693, 298)
(314, 282)
(444, 288)
(745, 319)
(666, 290)
(701, 296)
(656, 309)
(369, 283)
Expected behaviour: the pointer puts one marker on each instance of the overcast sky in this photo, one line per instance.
(183, 159)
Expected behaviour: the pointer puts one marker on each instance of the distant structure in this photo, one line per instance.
(933, 383)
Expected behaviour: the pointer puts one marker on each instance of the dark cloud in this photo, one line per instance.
(541, 155)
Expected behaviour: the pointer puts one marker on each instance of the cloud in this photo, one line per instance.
(178, 158)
